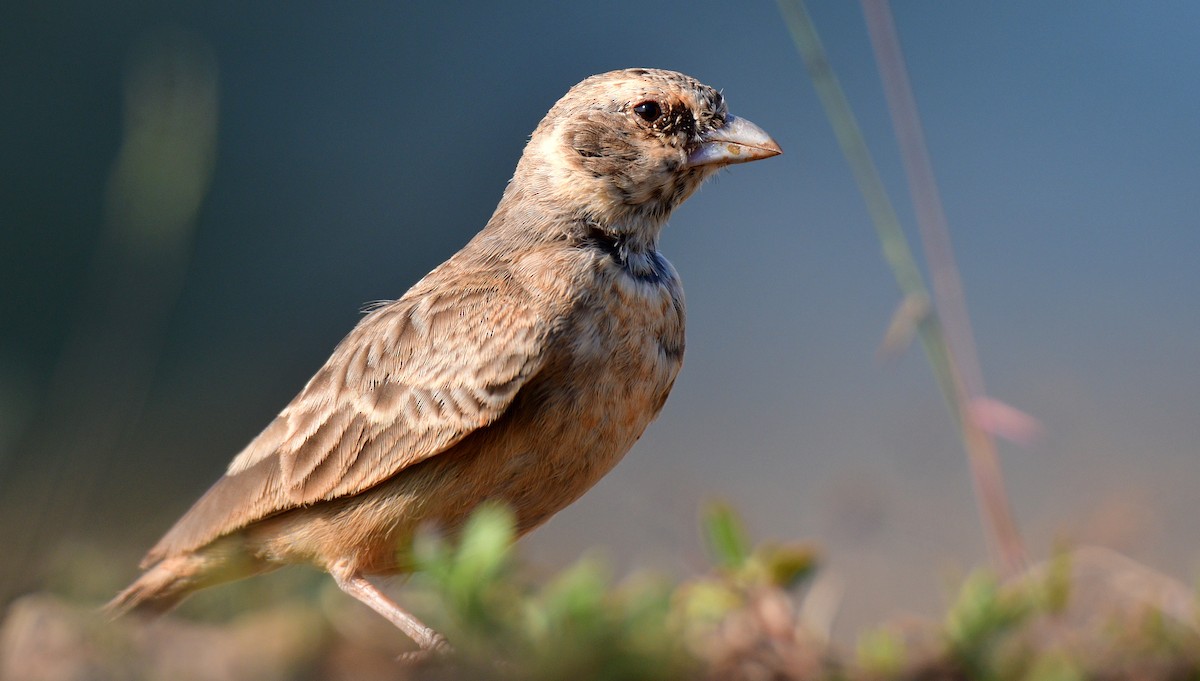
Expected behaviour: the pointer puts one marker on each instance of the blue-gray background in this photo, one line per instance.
(360, 144)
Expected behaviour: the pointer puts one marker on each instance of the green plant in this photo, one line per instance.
(576, 626)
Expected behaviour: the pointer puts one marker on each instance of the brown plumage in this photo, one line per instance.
(520, 370)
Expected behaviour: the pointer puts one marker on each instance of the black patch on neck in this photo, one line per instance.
(597, 238)
(615, 247)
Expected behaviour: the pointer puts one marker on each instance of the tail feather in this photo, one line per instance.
(170, 580)
(160, 588)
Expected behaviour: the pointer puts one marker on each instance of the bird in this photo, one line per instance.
(520, 371)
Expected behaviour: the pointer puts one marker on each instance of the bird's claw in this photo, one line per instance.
(437, 651)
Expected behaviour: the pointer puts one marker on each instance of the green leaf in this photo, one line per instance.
(726, 535)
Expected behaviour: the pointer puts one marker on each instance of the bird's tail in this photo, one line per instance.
(160, 588)
(175, 577)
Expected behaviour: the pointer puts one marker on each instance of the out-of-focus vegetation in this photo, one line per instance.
(756, 614)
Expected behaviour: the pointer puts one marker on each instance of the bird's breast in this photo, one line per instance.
(616, 357)
(626, 346)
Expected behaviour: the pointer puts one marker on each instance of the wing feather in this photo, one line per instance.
(411, 380)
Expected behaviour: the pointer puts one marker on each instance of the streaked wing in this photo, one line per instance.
(412, 379)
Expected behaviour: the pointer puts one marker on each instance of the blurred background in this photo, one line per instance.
(197, 198)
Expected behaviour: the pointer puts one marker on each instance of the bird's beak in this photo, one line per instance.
(738, 141)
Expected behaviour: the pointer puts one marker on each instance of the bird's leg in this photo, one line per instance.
(356, 585)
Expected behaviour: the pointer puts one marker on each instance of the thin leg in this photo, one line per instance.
(357, 586)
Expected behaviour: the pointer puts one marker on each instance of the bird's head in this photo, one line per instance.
(622, 149)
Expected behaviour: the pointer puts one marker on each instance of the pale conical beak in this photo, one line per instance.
(738, 141)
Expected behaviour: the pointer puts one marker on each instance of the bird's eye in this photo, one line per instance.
(648, 111)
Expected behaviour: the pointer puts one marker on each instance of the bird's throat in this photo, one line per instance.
(639, 257)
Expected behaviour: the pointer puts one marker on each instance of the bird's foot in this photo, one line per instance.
(437, 651)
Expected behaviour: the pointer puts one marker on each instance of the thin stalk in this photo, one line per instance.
(957, 390)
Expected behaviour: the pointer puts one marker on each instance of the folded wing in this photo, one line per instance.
(411, 380)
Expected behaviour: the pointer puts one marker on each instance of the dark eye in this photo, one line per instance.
(648, 111)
